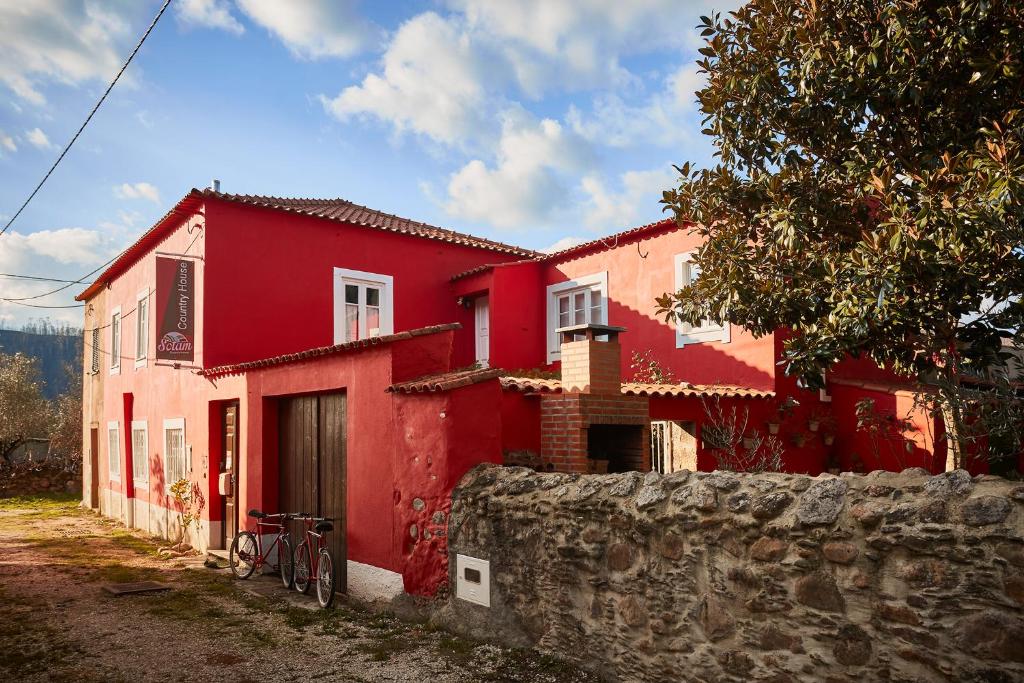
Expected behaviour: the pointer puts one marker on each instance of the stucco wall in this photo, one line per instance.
(774, 577)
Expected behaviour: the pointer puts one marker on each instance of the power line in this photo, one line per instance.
(110, 87)
(59, 289)
(41, 279)
(14, 301)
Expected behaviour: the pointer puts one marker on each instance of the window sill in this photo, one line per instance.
(141, 363)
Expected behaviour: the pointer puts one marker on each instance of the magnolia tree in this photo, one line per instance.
(24, 411)
(868, 188)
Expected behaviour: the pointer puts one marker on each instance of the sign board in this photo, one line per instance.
(175, 309)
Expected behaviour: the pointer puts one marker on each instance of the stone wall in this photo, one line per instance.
(771, 577)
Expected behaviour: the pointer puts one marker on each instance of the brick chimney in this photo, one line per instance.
(591, 365)
(590, 426)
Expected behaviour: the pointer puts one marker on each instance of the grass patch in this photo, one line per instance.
(115, 572)
(456, 650)
(384, 646)
(43, 506)
(68, 549)
(129, 541)
(30, 646)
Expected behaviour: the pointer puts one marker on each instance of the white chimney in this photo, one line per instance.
(215, 185)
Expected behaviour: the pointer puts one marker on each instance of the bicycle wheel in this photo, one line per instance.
(285, 561)
(325, 577)
(243, 554)
(302, 570)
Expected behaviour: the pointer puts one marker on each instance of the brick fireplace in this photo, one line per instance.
(591, 426)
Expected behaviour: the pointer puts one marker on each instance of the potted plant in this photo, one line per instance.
(828, 438)
(800, 439)
(750, 441)
(817, 418)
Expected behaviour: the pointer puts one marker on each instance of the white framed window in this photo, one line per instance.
(175, 455)
(140, 453)
(95, 357)
(363, 305)
(115, 341)
(824, 395)
(687, 272)
(114, 450)
(583, 301)
(141, 328)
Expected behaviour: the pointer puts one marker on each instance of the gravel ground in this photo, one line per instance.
(57, 624)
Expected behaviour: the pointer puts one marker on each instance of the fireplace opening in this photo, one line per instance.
(615, 448)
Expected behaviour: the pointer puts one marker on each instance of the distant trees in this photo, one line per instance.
(26, 414)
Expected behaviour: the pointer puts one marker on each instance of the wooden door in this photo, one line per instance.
(311, 456)
(229, 470)
(94, 467)
(332, 480)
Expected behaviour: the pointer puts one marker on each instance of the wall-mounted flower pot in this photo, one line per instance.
(748, 443)
(812, 425)
(829, 439)
(773, 427)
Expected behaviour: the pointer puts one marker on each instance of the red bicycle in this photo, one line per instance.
(247, 553)
(318, 563)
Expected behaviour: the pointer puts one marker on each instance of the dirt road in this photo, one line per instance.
(56, 622)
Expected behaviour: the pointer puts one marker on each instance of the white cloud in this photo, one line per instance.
(137, 191)
(312, 29)
(564, 243)
(57, 41)
(526, 186)
(208, 14)
(431, 84)
(663, 119)
(635, 202)
(38, 138)
(7, 142)
(577, 44)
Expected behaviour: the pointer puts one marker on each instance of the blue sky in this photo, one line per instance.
(537, 122)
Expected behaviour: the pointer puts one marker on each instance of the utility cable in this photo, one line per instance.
(110, 87)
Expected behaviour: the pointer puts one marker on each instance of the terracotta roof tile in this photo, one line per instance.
(612, 241)
(445, 381)
(345, 211)
(534, 385)
(241, 368)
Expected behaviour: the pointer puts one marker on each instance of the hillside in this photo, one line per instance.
(54, 351)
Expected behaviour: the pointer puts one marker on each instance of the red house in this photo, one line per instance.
(288, 354)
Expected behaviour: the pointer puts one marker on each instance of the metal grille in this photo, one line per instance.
(95, 350)
(174, 447)
(140, 455)
(114, 451)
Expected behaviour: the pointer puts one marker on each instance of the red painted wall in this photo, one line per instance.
(272, 291)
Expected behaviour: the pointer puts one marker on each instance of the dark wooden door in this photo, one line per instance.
(229, 466)
(312, 465)
(94, 467)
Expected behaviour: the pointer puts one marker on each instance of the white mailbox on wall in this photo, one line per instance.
(473, 580)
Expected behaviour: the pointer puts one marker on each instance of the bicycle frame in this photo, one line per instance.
(282, 532)
(314, 545)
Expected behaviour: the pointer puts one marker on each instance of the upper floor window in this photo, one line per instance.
(115, 341)
(583, 301)
(141, 328)
(95, 357)
(687, 273)
(363, 305)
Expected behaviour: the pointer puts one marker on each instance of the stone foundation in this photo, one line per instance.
(733, 577)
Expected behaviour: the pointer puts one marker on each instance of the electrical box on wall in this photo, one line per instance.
(473, 580)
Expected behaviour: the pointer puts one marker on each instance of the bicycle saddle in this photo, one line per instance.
(257, 514)
(324, 526)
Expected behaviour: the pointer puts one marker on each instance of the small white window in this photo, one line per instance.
(175, 457)
(362, 305)
(114, 450)
(140, 453)
(141, 328)
(95, 350)
(687, 272)
(582, 301)
(824, 395)
(115, 341)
